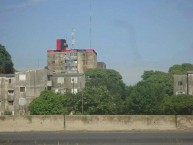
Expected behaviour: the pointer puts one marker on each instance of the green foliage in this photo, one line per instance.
(181, 69)
(48, 103)
(146, 96)
(7, 112)
(147, 74)
(164, 80)
(108, 78)
(6, 64)
(94, 100)
(98, 100)
(177, 105)
(106, 94)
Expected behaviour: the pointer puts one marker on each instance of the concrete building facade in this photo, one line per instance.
(7, 86)
(71, 61)
(63, 60)
(62, 83)
(183, 84)
(28, 85)
(101, 65)
(64, 73)
(19, 89)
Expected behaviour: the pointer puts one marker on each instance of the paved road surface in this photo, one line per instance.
(97, 138)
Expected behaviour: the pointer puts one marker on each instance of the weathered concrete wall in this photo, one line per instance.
(28, 85)
(95, 122)
(120, 123)
(32, 123)
(185, 122)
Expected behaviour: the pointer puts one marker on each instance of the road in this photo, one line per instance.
(97, 138)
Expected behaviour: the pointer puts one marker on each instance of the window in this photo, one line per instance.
(22, 77)
(10, 103)
(9, 81)
(60, 80)
(74, 68)
(180, 92)
(74, 91)
(10, 92)
(49, 88)
(66, 67)
(180, 83)
(22, 89)
(75, 61)
(74, 80)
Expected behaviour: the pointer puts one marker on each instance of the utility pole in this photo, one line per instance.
(82, 104)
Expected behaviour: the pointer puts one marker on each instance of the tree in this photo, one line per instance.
(6, 64)
(177, 105)
(97, 100)
(164, 79)
(181, 69)
(146, 96)
(48, 103)
(109, 78)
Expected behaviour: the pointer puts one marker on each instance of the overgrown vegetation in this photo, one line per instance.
(105, 93)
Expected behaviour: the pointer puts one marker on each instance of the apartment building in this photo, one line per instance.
(62, 83)
(64, 60)
(7, 84)
(19, 89)
(101, 65)
(64, 73)
(183, 84)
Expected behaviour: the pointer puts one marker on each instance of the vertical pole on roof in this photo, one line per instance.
(187, 83)
(90, 20)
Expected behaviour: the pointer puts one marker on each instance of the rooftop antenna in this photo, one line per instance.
(73, 37)
(90, 20)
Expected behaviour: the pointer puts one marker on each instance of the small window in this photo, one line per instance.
(10, 103)
(66, 67)
(49, 87)
(180, 83)
(60, 80)
(22, 77)
(180, 92)
(9, 81)
(22, 89)
(10, 92)
(74, 91)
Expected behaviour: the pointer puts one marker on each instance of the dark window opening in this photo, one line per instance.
(10, 103)
(10, 92)
(180, 83)
(49, 88)
(22, 89)
(9, 81)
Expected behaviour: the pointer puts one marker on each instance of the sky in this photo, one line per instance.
(130, 36)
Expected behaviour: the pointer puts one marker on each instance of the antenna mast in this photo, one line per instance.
(90, 24)
(73, 37)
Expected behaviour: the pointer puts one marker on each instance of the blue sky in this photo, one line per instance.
(130, 36)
